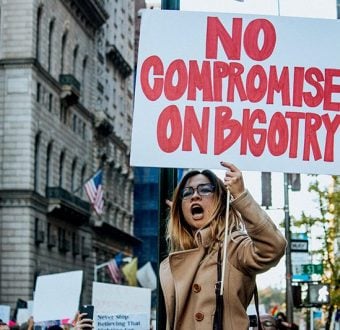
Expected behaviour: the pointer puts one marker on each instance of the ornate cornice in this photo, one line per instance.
(92, 10)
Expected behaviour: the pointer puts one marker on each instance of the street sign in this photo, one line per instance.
(311, 269)
(299, 245)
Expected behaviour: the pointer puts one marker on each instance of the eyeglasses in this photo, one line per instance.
(204, 189)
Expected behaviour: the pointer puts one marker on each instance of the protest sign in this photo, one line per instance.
(119, 307)
(56, 297)
(4, 313)
(22, 315)
(146, 276)
(262, 92)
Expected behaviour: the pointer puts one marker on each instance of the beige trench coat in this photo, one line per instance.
(188, 277)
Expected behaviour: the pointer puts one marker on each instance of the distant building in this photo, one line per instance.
(66, 91)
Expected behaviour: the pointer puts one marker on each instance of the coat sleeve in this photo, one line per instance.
(262, 246)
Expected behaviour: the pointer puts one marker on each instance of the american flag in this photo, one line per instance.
(94, 192)
(114, 271)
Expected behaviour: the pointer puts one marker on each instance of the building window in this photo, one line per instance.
(82, 179)
(38, 92)
(62, 54)
(50, 43)
(50, 102)
(84, 131)
(36, 162)
(75, 56)
(48, 164)
(83, 80)
(37, 45)
(61, 169)
(73, 175)
(74, 123)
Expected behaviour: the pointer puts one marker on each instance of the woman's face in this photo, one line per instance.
(197, 204)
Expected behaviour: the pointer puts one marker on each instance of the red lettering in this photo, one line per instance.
(278, 134)
(294, 131)
(235, 79)
(152, 63)
(312, 77)
(331, 127)
(170, 118)
(221, 70)
(331, 88)
(200, 80)
(256, 74)
(278, 85)
(312, 124)
(299, 75)
(193, 129)
(251, 39)
(216, 32)
(172, 90)
(248, 132)
(224, 122)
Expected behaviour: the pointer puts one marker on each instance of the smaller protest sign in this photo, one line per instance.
(56, 296)
(119, 307)
(4, 313)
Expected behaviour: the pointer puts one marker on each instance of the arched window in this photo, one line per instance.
(61, 169)
(37, 44)
(74, 176)
(62, 54)
(50, 43)
(84, 80)
(37, 162)
(82, 179)
(74, 64)
(48, 164)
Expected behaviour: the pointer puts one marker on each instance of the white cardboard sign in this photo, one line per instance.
(119, 307)
(262, 92)
(56, 296)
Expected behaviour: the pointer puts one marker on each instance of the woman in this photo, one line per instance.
(195, 236)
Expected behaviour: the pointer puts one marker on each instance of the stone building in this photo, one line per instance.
(66, 90)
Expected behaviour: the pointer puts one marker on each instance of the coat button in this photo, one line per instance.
(199, 316)
(197, 288)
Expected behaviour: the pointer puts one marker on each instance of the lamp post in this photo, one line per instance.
(289, 291)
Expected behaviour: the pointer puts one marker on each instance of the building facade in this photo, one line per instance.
(66, 90)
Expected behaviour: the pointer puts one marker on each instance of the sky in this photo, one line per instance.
(298, 201)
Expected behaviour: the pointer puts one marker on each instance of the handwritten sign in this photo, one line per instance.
(262, 92)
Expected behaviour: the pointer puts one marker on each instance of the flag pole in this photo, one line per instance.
(97, 267)
(82, 183)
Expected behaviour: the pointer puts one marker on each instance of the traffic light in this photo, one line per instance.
(309, 294)
(266, 181)
(294, 181)
(297, 301)
(318, 294)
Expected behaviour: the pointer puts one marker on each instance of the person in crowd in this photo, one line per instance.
(82, 323)
(4, 326)
(283, 324)
(191, 275)
(268, 322)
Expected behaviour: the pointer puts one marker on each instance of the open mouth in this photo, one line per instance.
(197, 211)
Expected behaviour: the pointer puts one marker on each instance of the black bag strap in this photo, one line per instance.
(218, 317)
